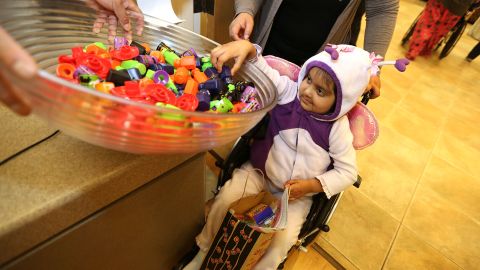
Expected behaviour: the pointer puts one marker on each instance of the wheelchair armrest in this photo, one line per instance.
(218, 159)
(358, 182)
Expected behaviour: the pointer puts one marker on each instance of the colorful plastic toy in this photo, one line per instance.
(133, 71)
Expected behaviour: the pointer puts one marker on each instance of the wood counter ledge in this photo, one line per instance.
(62, 181)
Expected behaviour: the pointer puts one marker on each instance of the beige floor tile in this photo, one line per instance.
(466, 109)
(435, 221)
(326, 247)
(459, 124)
(390, 170)
(429, 102)
(361, 230)
(381, 108)
(410, 252)
(459, 189)
(445, 95)
(414, 126)
(396, 87)
(458, 153)
(463, 131)
(298, 260)
(469, 85)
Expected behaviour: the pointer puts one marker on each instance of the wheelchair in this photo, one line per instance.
(322, 208)
(450, 39)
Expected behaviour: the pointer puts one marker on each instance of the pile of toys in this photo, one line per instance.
(159, 77)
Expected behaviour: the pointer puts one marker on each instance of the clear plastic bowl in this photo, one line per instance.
(48, 29)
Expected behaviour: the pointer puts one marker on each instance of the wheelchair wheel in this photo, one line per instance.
(453, 39)
(410, 30)
(439, 43)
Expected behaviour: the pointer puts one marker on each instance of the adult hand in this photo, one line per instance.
(112, 12)
(15, 65)
(241, 27)
(374, 86)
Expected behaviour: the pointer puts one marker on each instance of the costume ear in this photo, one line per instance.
(332, 51)
(363, 125)
(284, 67)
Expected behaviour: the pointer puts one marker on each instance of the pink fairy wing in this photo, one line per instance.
(283, 66)
(363, 125)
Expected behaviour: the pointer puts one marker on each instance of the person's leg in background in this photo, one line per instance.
(434, 23)
(421, 33)
(474, 53)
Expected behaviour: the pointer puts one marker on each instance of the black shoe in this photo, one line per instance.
(187, 258)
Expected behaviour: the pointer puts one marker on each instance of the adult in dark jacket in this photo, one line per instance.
(297, 29)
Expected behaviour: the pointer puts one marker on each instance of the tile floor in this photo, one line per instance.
(419, 204)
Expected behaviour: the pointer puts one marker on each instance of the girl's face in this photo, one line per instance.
(316, 91)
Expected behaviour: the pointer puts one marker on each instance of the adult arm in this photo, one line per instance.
(247, 6)
(241, 26)
(381, 16)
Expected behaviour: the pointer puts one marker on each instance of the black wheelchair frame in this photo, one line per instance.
(320, 212)
(322, 208)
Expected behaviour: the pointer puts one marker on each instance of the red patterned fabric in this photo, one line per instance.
(434, 23)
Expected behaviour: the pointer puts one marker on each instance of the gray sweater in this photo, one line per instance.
(381, 17)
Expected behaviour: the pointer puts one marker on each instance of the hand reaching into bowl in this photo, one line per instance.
(114, 12)
(16, 64)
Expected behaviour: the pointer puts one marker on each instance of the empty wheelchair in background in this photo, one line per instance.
(322, 208)
(447, 42)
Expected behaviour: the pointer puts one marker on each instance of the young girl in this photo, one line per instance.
(308, 145)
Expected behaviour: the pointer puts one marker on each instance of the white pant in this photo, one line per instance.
(246, 182)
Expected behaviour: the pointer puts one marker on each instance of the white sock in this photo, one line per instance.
(196, 261)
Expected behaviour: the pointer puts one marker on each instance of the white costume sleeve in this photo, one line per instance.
(344, 172)
(286, 88)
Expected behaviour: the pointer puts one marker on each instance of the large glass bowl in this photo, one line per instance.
(49, 28)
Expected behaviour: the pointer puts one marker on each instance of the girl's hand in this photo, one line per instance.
(298, 188)
(238, 50)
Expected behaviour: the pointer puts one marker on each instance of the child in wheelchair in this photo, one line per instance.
(308, 144)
